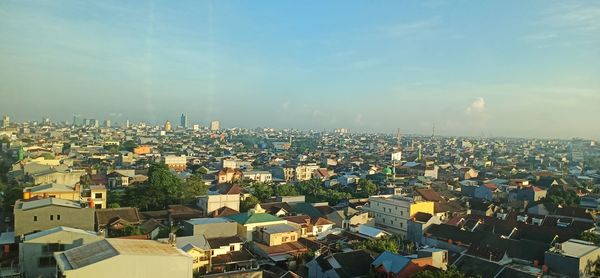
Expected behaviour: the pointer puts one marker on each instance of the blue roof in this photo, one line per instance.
(391, 262)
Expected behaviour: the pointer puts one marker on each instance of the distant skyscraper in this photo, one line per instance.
(5, 121)
(127, 124)
(167, 126)
(77, 120)
(215, 125)
(183, 122)
(196, 127)
(94, 123)
(107, 123)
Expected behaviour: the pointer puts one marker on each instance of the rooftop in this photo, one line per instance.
(33, 204)
(202, 221)
(575, 248)
(101, 250)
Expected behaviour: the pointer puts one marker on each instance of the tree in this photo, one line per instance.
(194, 186)
(164, 188)
(562, 197)
(451, 272)
(263, 191)
(248, 203)
(128, 145)
(285, 190)
(591, 237)
(12, 193)
(114, 198)
(367, 187)
(378, 245)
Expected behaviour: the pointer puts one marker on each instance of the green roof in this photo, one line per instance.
(252, 218)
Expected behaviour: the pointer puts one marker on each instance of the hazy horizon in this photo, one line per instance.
(502, 68)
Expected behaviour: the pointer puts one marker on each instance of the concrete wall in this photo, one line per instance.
(80, 218)
(210, 203)
(278, 238)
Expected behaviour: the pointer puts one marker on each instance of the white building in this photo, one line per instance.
(215, 125)
(212, 202)
(392, 213)
(257, 176)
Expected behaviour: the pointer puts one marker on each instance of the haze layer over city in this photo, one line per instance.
(493, 68)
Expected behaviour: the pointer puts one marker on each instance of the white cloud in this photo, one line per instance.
(477, 106)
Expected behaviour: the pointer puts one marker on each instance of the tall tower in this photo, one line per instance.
(5, 121)
(167, 126)
(183, 122)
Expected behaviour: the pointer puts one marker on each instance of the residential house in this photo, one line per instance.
(574, 258)
(278, 243)
(419, 223)
(112, 221)
(177, 163)
(36, 251)
(392, 213)
(54, 175)
(251, 221)
(341, 265)
(213, 202)
(257, 176)
(35, 215)
(210, 227)
(229, 175)
(487, 192)
(310, 227)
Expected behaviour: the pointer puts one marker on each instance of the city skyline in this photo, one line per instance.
(371, 67)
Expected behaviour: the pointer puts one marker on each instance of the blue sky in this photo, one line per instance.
(511, 68)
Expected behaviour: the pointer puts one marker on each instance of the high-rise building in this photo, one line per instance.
(184, 121)
(5, 121)
(77, 120)
(196, 127)
(107, 123)
(215, 125)
(126, 123)
(167, 126)
(94, 123)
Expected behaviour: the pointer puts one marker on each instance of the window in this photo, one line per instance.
(58, 217)
(53, 247)
(232, 248)
(51, 217)
(98, 195)
(293, 238)
(35, 218)
(97, 206)
(46, 262)
(401, 225)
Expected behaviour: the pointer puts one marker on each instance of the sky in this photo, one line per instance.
(493, 68)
